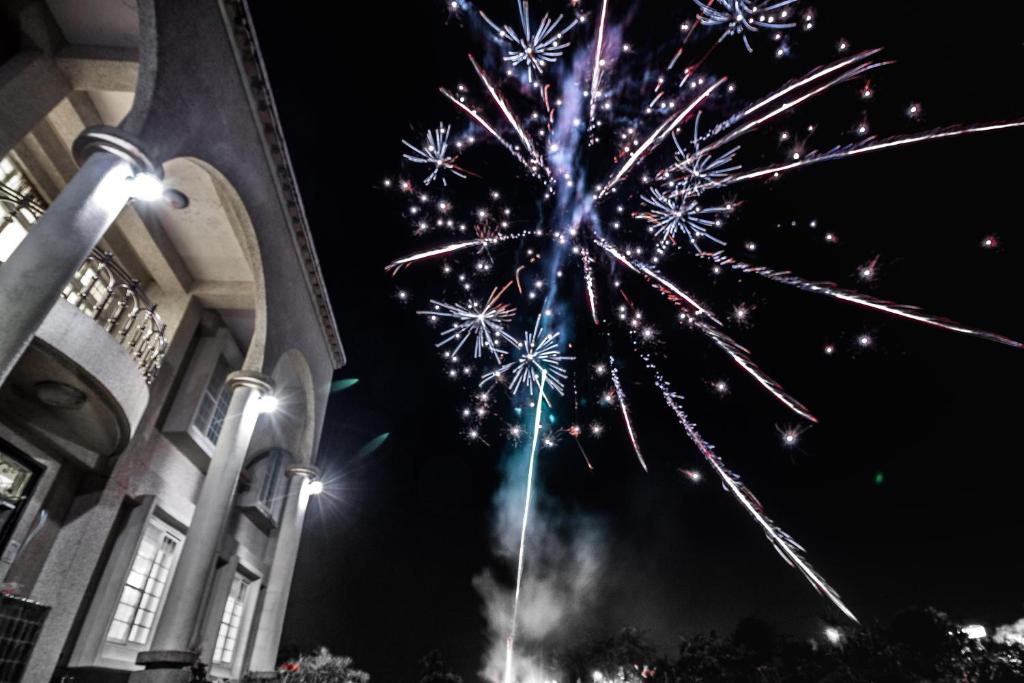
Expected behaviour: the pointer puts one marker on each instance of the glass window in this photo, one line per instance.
(231, 621)
(14, 478)
(271, 483)
(213, 406)
(144, 588)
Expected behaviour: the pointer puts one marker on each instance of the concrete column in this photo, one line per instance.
(279, 583)
(173, 646)
(44, 263)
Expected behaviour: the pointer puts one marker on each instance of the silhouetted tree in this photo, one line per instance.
(917, 645)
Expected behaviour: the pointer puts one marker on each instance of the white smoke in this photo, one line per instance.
(564, 556)
(1011, 634)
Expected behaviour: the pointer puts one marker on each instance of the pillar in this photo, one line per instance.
(44, 263)
(279, 583)
(174, 645)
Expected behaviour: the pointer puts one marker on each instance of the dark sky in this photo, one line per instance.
(385, 569)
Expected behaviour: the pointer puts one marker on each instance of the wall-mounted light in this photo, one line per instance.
(267, 403)
(145, 187)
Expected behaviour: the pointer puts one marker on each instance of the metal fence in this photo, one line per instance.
(104, 291)
(21, 621)
(101, 288)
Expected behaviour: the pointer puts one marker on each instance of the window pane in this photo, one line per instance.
(144, 586)
(231, 620)
(213, 405)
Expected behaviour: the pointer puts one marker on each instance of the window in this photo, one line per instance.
(14, 479)
(213, 406)
(17, 479)
(263, 488)
(19, 207)
(144, 589)
(271, 483)
(231, 621)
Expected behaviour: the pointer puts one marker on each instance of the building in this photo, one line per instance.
(151, 497)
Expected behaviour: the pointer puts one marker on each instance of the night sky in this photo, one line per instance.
(906, 493)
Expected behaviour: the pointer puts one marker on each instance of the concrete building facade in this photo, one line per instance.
(166, 348)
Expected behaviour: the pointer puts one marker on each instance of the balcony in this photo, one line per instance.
(82, 385)
(102, 290)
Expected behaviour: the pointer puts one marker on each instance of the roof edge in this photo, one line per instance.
(250, 60)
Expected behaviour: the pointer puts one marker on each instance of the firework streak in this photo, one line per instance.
(510, 645)
(620, 396)
(828, 289)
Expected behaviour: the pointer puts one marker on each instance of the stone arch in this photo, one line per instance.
(236, 215)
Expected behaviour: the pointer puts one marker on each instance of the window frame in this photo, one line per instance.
(183, 424)
(165, 530)
(262, 497)
(216, 395)
(236, 606)
(35, 474)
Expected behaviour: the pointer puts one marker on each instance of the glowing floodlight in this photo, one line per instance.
(145, 187)
(267, 403)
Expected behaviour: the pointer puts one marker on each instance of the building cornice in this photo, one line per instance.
(247, 51)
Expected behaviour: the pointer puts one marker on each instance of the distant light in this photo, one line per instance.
(864, 340)
(597, 676)
(833, 634)
(790, 436)
(267, 403)
(315, 487)
(692, 475)
(145, 187)
(974, 631)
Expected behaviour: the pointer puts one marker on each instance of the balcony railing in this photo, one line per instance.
(100, 288)
(103, 290)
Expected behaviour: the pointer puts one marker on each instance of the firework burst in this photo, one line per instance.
(538, 355)
(484, 323)
(741, 17)
(434, 153)
(576, 256)
(536, 47)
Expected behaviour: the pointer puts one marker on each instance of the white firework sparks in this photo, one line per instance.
(538, 354)
(740, 17)
(434, 153)
(484, 323)
(534, 47)
(671, 217)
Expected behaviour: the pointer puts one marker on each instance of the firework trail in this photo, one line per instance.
(620, 397)
(871, 145)
(576, 190)
(510, 645)
(448, 249)
(595, 79)
(828, 289)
